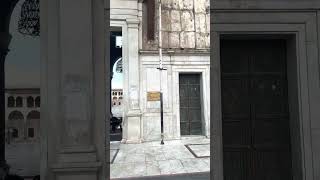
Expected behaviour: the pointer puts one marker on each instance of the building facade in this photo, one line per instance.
(116, 102)
(265, 89)
(73, 142)
(23, 131)
(185, 83)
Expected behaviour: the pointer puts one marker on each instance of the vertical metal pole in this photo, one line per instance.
(160, 40)
(160, 68)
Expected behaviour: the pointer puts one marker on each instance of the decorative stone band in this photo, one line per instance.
(178, 52)
(133, 23)
(77, 154)
(67, 171)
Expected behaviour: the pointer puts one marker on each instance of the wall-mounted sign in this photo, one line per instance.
(119, 41)
(153, 96)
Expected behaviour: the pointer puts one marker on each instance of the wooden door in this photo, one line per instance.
(256, 129)
(190, 104)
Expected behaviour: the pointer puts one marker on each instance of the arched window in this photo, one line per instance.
(15, 124)
(16, 115)
(114, 98)
(10, 101)
(33, 124)
(37, 101)
(15, 133)
(33, 115)
(30, 101)
(114, 103)
(19, 101)
(30, 132)
(119, 103)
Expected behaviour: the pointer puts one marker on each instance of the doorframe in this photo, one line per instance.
(203, 123)
(121, 25)
(303, 56)
(204, 92)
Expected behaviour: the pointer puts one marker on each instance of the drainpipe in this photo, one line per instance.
(160, 40)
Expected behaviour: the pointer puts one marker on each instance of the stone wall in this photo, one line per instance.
(185, 25)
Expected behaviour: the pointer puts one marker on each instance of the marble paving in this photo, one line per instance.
(199, 150)
(152, 159)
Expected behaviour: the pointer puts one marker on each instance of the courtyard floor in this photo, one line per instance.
(188, 155)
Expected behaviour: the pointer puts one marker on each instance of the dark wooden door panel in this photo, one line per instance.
(255, 117)
(190, 104)
(237, 165)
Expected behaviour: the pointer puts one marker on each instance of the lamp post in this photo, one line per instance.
(160, 69)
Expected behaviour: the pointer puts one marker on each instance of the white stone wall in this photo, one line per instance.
(150, 81)
(186, 27)
(25, 111)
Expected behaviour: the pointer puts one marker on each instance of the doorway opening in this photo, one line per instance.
(116, 85)
(22, 92)
(259, 110)
(190, 104)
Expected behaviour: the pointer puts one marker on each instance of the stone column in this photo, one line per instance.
(133, 114)
(73, 89)
(5, 39)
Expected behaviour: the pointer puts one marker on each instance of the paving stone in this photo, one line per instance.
(201, 150)
(136, 158)
(206, 160)
(156, 159)
(171, 167)
(139, 169)
(195, 165)
(121, 170)
(152, 168)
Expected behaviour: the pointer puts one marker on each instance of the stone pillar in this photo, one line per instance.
(5, 39)
(73, 89)
(133, 114)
